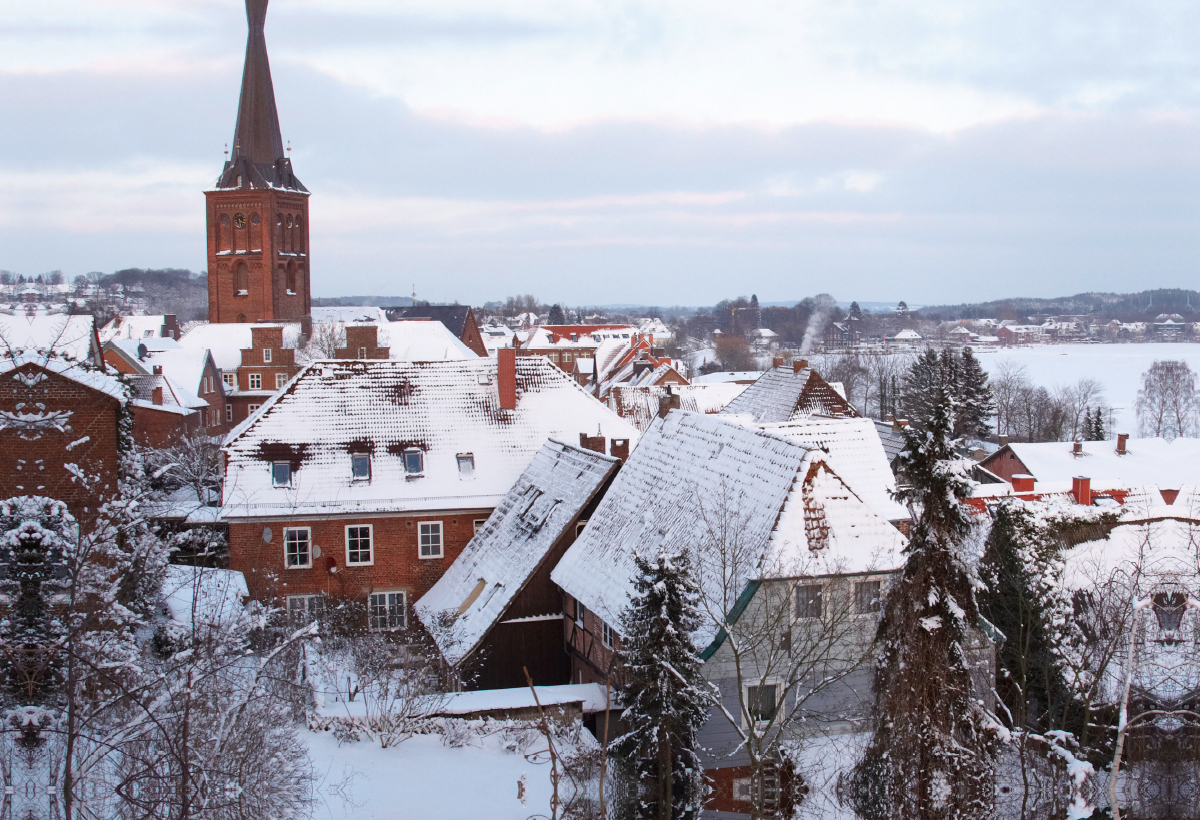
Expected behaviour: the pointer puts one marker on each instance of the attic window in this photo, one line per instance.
(281, 474)
(466, 465)
(266, 354)
(360, 467)
(414, 462)
(362, 353)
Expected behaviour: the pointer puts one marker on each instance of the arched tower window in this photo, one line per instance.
(241, 280)
(278, 233)
(224, 235)
(255, 233)
(291, 277)
(299, 236)
(287, 234)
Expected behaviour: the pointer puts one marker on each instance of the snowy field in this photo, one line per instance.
(1119, 367)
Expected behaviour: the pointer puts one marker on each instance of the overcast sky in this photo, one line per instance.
(671, 152)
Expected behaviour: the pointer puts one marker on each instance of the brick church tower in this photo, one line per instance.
(257, 213)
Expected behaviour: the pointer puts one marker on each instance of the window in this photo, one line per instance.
(358, 544)
(229, 412)
(256, 381)
(252, 408)
(742, 791)
(762, 702)
(228, 379)
(466, 465)
(566, 357)
(266, 355)
(866, 597)
(554, 357)
(414, 462)
(808, 601)
(281, 474)
(362, 353)
(430, 539)
(360, 467)
(580, 612)
(606, 635)
(281, 381)
(479, 522)
(388, 610)
(296, 548)
(241, 280)
(303, 609)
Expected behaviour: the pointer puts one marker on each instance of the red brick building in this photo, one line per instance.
(177, 390)
(365, 479)
(458, 319)
(257, 211)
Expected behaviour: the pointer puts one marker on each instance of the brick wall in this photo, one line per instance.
(154, 427)
(590, 658)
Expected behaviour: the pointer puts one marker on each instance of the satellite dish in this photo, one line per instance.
(316, 551)
(267, 535)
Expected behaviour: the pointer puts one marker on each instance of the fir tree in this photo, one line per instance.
(976, 402)
(556, 316)
(755, 312)
(921, 386)
(932, 752)
(666, 695)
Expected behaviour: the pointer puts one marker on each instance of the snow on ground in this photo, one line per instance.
(1119, 367)
(422, 777)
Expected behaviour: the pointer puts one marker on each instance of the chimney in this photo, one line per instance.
(156, 396)
(900, 424)
(506, 377)
(593, 443)
(1122, 440)
(1003, 441)
(1023, 483)
(1077, 449)
(889, 418)
(158, 370)
(667, 403)
(1081, 488)
(799, 364)
(777, 361)
(620, 449)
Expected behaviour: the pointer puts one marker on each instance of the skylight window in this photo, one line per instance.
(466, 465)
(414, 462)
(281, 474)
(360, 467)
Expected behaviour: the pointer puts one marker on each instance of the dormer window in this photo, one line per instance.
(360, 467)
(414, 462)
(466, 465)
(281, 474)
(266, 354)
(362, 353)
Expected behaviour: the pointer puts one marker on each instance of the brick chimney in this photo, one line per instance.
(1023, 483)
(777, 361)
(1077, 449)
(899, 424)
(157, 369)
(620, 449)
(671, 401)
(506, 378)
(593, 443)
(1081, 488)
(156, 396)
(1122, 440)
(889, 418)
(1003, 441)
(799, 364)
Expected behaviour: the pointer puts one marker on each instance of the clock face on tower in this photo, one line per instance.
(239, 220)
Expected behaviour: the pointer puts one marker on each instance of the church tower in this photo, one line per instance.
(257, 213)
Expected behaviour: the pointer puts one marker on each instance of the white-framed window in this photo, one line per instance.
(281, 474)
(250, 410)
(358, 545)
(479, 522)
(388, 610)
(567, 357)
(303, 609)
(228, 378)
(256, 381)
(763, 701)
(554, 357)
(742, 791)
(809, 601)
(430, 539)
(606, 635)
(266, 355)
(362, 353)
(281, 380)
(297, 547)
(466, 465)
(414, 462)
(229, 412)
(867, 597)
(580, 612)
(360, 467)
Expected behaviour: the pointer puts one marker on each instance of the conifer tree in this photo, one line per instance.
(556, 316)
(932, 752)
(976, 402)
(921, 386)
(667, 699)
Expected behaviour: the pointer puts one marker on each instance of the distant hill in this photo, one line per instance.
(375, 301)
(1126, 307)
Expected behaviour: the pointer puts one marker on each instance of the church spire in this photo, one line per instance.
(258, 159)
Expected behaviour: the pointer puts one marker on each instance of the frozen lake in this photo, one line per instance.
(1119, 367)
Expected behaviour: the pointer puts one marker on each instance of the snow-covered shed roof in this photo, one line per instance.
(784, 393)
(545, 501)
(212, 597)
(856, 454)
(422, 341)
(348, 313)
(444, 409)
(43, 333)
(590, 695)
(1147, 461)
(694, 475)
(639, 404)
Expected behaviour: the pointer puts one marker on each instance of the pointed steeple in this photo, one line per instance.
(258, 159)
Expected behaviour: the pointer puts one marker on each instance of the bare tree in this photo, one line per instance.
(326, 338)
(1168, 404)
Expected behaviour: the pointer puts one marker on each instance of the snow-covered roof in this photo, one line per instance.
(385, 407)
(414, 340)
(545, 501)
(694, 475)
(212, 597)
(41, 333)
(856, 454)
(907, 335)
(639, 404)
(1147, 461)
(133, 327)
(227, 341)
(728, 376)
(182, 365)
(891, 439)
(591, 695)
(783, 393)
(348, 313)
